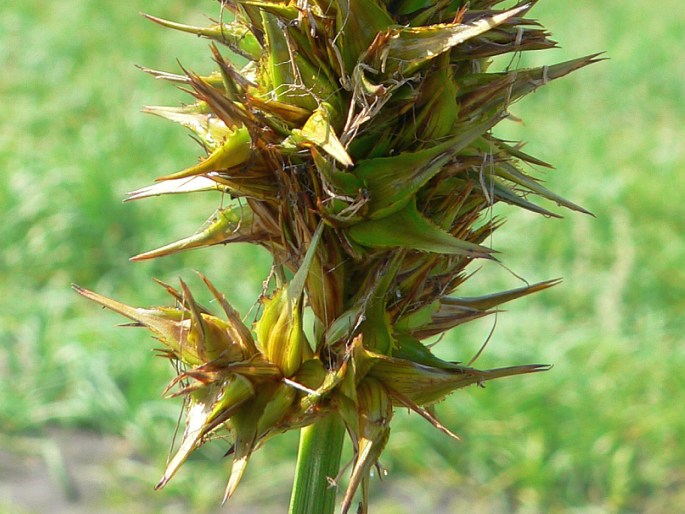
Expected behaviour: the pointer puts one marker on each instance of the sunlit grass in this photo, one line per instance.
(601, 429)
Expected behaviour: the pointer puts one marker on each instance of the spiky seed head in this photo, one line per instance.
(356, 147)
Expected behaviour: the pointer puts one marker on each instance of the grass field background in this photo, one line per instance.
(601, 432)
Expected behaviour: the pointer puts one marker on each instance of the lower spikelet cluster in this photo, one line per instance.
(355, 146)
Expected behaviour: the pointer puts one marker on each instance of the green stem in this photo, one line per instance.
(318, 461)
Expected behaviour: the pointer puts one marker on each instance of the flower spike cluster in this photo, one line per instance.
(356, 146)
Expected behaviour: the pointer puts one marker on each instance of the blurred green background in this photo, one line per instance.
(83, 427)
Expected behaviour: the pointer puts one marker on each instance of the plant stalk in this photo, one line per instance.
(318, 461)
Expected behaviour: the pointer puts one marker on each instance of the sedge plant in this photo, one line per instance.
(356, 147)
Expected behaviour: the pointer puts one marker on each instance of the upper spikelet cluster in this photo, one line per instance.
(356, 148)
